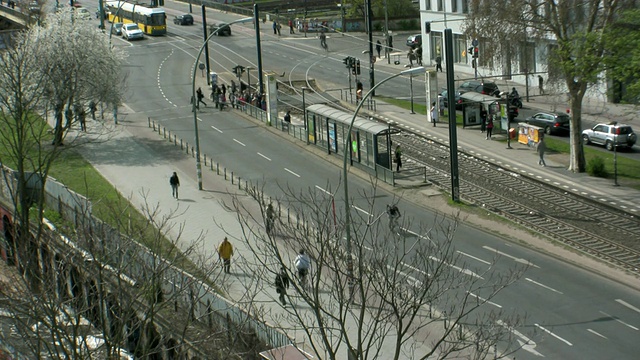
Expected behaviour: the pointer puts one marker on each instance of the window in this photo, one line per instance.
(436, 45)
(427, 4)
(459, 45)
(454, 5)
(527, 57)
(440, 5)
(465, 6)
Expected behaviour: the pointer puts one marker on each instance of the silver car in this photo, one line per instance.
(610, 135)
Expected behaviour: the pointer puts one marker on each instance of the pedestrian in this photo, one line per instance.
(200, 96)
(282, 284)
(541, 84)
(489, 128)
(223, 88)
(378, 48)
(287, 119)
(291, 27)
(541, 148)
(234, 87)
(434, 113)
(398, 158)
(174, 181)
(270, 217)
(92, 109)
(82, 118)
(222, 100)
(279, 27)
(411, 56)
(438, 63)
(418, 54)
(483, 120)
(275, 28)
(225, 252)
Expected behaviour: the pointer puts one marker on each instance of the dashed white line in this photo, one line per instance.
(554, 335)
(291, 172)
(361, 210)
(520, 260)
(239, 142)
(620, 321)
(544, 286)
(323, 190)
(624, 303)
(216, 129)
(484, 300)
(474, 258)
(596, 333)
(264, 156)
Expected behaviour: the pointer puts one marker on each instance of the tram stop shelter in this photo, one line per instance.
(473, 103)
(370, 147)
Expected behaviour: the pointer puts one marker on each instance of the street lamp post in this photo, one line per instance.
(195, 101)
(304, 114)
(347, 146)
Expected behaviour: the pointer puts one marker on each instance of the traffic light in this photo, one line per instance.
(358, 67)
(427, 27)
(347, 61)
(475, 52)
(238, 70)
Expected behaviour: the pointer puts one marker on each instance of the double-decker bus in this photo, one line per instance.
(152, 21)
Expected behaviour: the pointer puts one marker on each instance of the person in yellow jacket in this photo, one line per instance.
(225, 252)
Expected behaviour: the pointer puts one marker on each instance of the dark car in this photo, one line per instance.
(482, 87)
(414, 41)
(116, 28)
(458, 100)
(184, 19)
(222, 29)
(552, 123)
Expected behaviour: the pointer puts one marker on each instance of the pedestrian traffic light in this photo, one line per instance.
(475, 52)
(470, 51)
(347, 62)
(427, 27)
(238, 70)
(358, 67)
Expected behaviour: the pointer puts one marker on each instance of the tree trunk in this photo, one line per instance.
(57, 131)
(577, 163)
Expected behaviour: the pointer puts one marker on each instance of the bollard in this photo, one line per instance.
(181, 145)
(175, 139)
(164, 133)
(193, 153)
(225, 173)
(205, 159)
(211, 165)
(239, 183)
(154, 126)
(149, 120)
(159, 130)
(217, 169)
(232, 178)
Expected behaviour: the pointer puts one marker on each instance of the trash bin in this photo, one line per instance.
(512, 133)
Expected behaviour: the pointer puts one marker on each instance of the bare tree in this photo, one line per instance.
(100, 293)
(573, 31)
(412, 294)
(64, 62)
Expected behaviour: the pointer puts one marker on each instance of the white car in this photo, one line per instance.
(131, 32)
(83, 13)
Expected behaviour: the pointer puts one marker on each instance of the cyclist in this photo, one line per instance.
(323, 40)
(394, 215)
(303, 264)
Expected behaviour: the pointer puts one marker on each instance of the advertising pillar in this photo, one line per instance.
(272, 98)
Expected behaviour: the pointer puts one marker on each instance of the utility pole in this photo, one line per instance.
(386, 32)
(372, 81)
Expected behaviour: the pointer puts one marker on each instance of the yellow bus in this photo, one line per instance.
(152, 21)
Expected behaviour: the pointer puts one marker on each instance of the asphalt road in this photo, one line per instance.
(570, 312)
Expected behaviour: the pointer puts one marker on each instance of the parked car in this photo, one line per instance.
(116, 29)
(552, 123)
(184, 19)
(82, 13)
(482, 87)
(414, 41)
(458, 100)
(131, 32)
(610, 135)
(222, 29)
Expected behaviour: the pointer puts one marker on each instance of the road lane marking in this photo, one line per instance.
(216, 129)
(474, 258)
(323, 190)
(620, 321)
(520, 260)
(554, 335)
(484, 300)
(464, 271)
(264, 156)
(544, 286)
(291, 172)
(239, 142)
(624, 303)
(596, 333)
(526, 343)
(361, 210)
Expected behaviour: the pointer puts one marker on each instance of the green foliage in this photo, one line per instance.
(623, 49)
(411, 24)
(595, 167)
